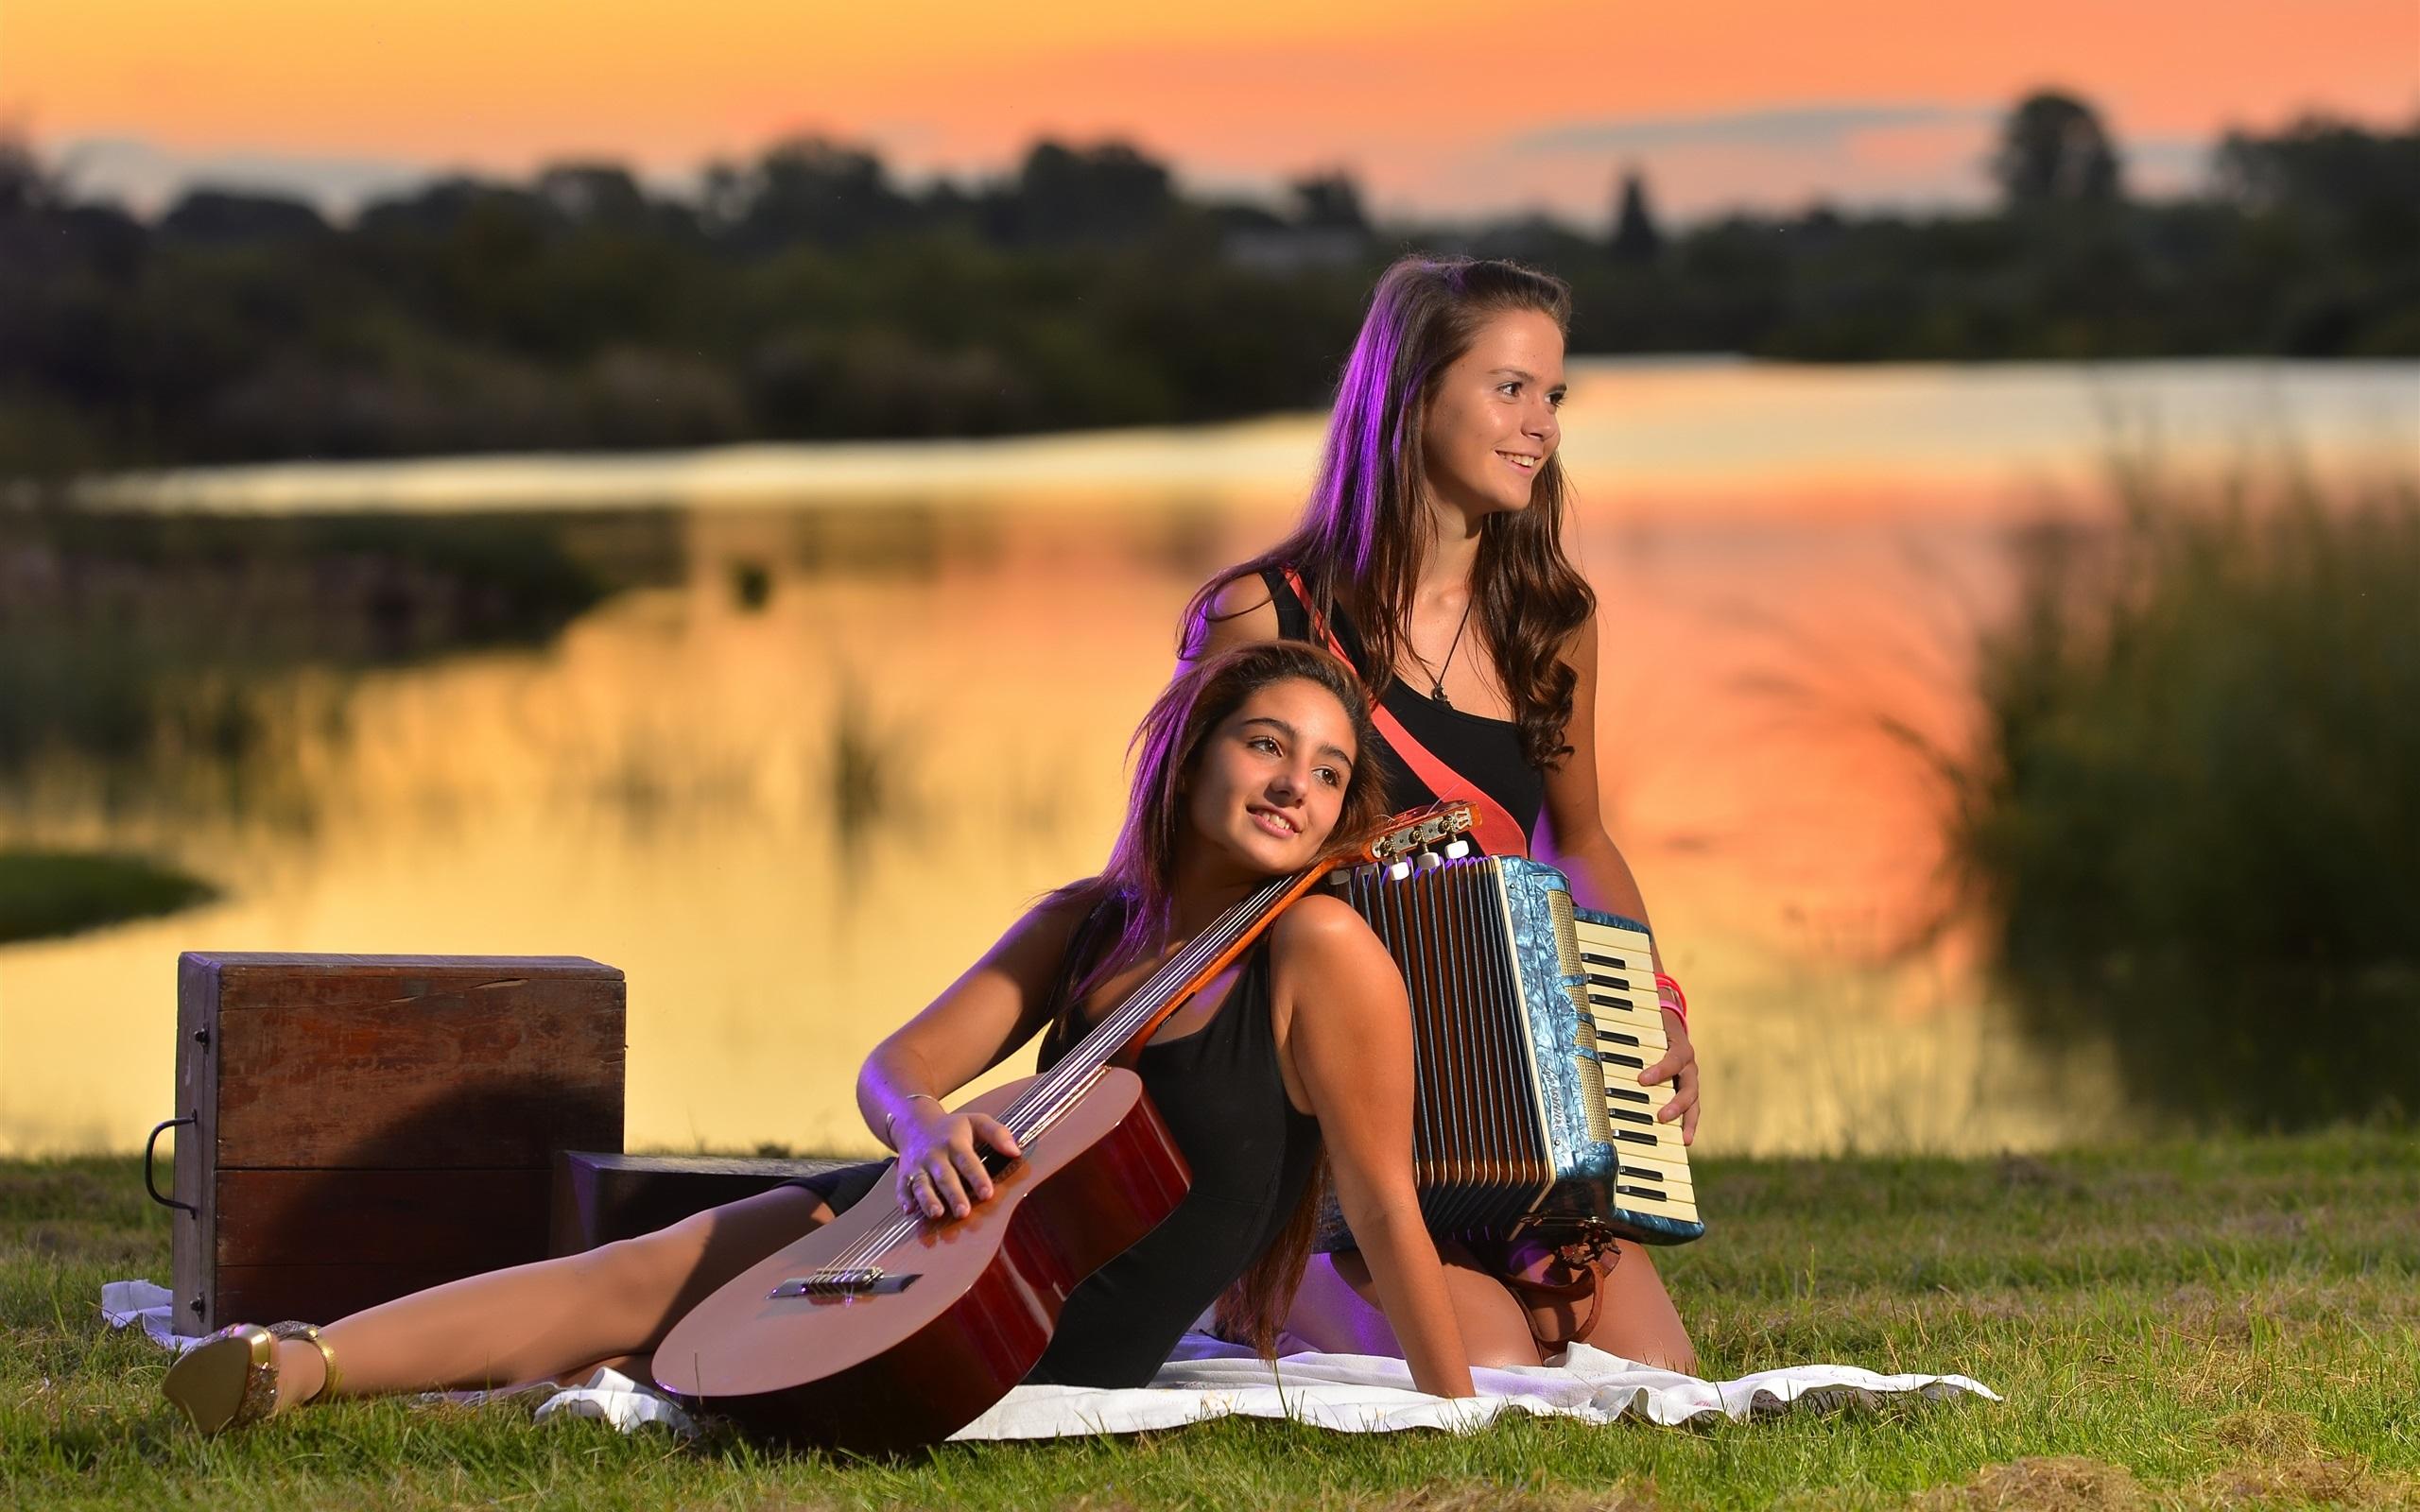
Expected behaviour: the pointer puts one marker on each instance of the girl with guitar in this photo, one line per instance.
(1430, 555)
(1250, 765)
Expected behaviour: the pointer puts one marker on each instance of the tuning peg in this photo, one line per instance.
(1458, 849)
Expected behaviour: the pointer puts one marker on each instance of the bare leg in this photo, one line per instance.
(636, 1367)
(1635, 1317)
(551, 1316)
(1336, 1312)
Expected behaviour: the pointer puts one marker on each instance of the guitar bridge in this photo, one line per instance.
(862, 1281)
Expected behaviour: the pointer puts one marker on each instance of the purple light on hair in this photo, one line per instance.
(1363, 449)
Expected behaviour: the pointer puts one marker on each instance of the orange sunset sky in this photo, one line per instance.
(1438, 109)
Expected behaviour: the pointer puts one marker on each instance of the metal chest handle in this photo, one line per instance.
(149, 1184)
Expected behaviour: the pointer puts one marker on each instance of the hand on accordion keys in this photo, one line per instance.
(1680, 1063)
(1551, 1076)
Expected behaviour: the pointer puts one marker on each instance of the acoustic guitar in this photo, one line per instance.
(880, 1331)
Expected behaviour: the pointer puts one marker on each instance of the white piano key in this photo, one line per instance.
(1636, 1032)
(1631, 1017)
(1636, 1017)
(1666, 1207)
(1657, 1166)
(1632, 996)
(1648, 1137)
(1671, 1178)
(1596, 936)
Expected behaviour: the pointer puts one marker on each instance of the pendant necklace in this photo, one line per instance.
(1437, 674)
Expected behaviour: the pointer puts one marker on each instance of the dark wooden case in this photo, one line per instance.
(353, 1127)
(601, 1196)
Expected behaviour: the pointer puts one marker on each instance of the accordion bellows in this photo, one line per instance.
(1531, 1021)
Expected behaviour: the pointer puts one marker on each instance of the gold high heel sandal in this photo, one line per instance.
(229, 1379)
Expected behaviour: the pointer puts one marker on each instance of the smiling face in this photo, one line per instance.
(1269, 781)
(1492, 420)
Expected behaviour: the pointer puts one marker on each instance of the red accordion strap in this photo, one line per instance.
(1498, 832)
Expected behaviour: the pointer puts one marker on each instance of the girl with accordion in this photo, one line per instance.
(1430, 556)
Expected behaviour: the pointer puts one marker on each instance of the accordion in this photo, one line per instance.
(1531, 1021)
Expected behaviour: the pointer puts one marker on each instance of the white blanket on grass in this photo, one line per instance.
(1208, 1378)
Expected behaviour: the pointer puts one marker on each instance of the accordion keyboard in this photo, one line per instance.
(1532, 1021)
(1624, 1027)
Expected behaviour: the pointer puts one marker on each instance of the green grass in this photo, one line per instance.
(2235, 1323)
(45, 893)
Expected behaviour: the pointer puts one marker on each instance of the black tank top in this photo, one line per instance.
(1486, 751)
(1224, 1098)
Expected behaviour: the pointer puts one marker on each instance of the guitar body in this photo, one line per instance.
(965, 1307)
(879, 1333)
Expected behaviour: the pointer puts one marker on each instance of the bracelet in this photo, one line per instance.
(1668, 996)
(892, 1117)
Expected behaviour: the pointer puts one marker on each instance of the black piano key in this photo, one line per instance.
(1623, 1004)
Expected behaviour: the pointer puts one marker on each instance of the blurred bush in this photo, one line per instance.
(136, 650)
(48, 893)
(2194, 818)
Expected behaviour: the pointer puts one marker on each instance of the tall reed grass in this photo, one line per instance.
(2193, 818)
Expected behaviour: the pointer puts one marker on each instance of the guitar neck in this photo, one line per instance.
(1132, 1022)
(1127, 1026)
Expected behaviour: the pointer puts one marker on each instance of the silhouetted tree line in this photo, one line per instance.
(807, 294)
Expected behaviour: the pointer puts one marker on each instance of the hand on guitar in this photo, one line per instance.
(940, 1171)
(1679, 1067)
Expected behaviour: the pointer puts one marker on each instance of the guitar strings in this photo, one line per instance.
(1056, 1088)
(1071, 1075)
(1063, 1082)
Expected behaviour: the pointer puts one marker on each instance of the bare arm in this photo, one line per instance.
(1241, 613)
(1576, 841)
(974, 1025)
(1347, 1037)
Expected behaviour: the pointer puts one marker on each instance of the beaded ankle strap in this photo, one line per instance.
(310, 1336)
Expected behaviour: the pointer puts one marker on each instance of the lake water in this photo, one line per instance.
(793, 822)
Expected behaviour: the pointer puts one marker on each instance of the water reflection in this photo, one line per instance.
(796, 783)
(791, 820)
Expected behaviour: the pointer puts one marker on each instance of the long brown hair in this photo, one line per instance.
(1141, 872)
(1363, 537)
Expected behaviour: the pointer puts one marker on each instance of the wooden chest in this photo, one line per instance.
(353, 1127)
(601, 1196)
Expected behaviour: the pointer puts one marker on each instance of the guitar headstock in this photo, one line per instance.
(1418, 829)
